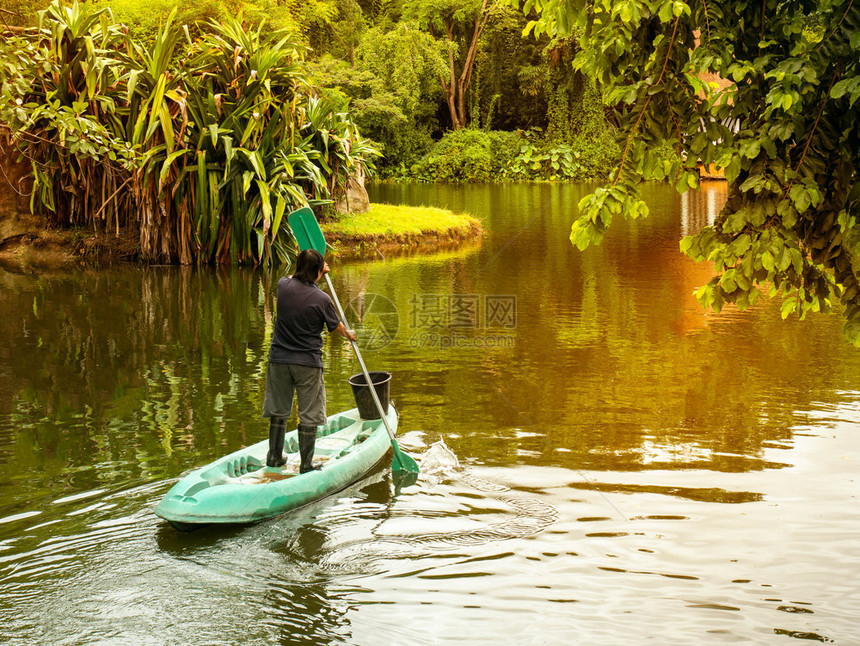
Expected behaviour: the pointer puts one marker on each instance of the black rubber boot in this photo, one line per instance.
(307, 441)
(277, 430)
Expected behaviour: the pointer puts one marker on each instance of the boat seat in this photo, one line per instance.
(330, 444)
(358, 439)
(337, 424)
(240, 466)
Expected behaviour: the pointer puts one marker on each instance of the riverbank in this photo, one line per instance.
(46, 247)
(385, 229)
(391, 229)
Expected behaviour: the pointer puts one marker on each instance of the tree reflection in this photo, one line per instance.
(615, 362)
(129, 373)
(143, 366)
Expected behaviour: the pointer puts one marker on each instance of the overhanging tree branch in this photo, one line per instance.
(647, 101)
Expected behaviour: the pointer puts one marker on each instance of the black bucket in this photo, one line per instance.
(363, 398)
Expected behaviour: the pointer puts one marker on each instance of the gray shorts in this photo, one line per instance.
(282, 380)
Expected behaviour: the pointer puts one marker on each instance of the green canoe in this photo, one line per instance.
(239, 488)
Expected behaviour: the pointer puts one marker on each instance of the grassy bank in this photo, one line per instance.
(387, 228)
(384, 230)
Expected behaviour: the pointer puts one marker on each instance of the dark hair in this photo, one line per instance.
(309, 264)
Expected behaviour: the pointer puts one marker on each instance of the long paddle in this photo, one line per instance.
(309, 236)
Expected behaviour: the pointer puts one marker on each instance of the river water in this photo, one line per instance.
(632, 469)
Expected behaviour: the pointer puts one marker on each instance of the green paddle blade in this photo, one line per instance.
(401, 461)
(307, 230)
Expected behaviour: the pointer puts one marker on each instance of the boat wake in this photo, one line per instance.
(467, 500)
(374, 530)
(531, 515)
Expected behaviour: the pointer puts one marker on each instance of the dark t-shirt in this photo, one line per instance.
(301, 313)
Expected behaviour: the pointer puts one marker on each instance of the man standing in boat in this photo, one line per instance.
(295, 358)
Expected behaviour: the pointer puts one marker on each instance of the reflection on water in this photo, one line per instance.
(631, 467)
(700, 208)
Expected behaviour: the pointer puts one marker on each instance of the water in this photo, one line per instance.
(631, 468)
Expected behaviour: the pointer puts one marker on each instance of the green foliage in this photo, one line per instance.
(145, 19)
(440, 15)
(471, 155)
(577, 145)
(60, 101)
(332, 26)
(786, 130)
(203, 158)
(467, 155)
(459, 25)
(393, 90)
(546, 160)
(508, 91)
(576, 113)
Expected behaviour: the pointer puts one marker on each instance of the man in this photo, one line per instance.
(295, 358)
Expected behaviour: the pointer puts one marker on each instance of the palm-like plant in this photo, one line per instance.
(213, 150)
(60, 101)
(242, 88)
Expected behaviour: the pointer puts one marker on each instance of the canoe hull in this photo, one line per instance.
(239, 488)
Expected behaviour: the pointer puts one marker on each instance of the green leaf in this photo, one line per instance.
(266, 202)
(796, 259)
(666, 11)
(280, 207)
(741, 244)
(249, 129)
(843, 87)
(202, 197)
(700, 141)
(783, 260)
(165, 167)
(801, 198)
(256, 160)
(728, 282)
(733, 169)
(228, 153)
(750, 149)
(583, 233)
(690, 247)
(851, 332)
(166, 125)
(751, 182)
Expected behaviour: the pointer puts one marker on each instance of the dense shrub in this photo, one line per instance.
(471, 155)
(468, 155)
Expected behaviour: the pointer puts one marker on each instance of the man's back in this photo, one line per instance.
(302, 311)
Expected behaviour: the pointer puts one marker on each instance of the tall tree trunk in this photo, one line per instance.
(450, 91)
(455, 90)
(450, 86)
